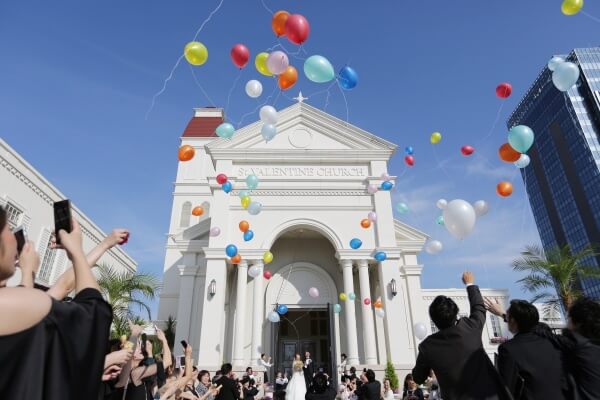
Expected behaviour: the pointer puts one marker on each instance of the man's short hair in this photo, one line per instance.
(524, 314)
(226, 368)
(443, 312)
(370, 374)
(262, 355)
(585, 315)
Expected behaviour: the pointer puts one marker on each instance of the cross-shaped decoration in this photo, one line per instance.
(300, 98)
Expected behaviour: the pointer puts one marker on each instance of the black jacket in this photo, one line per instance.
(369, 391)
(537, 362)
(328, 394)
(582, 360)
(456, 355)
(229, 391)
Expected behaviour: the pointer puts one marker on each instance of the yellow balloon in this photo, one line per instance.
(267, 257)
(436, 137)
(195, 53)
(261, 64)
(343, 297)
(571, 7)
(245, 202)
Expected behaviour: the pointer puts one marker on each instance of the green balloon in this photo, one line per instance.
(318, 69)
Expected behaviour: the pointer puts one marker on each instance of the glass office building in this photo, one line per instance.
(563, 178)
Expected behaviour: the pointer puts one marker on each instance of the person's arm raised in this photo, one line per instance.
(29, 262)
(72, 242)
(475, 299)
(180, 383)
(66, 281)
(136, 331)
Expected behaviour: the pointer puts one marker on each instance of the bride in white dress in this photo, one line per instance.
(296, 388)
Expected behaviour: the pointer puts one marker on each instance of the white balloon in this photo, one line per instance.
(372, 189)
(554, 61)
(459, 218)
(268, 115)
(254, 88)
(380, 312)
(372, 216)
(277, 62)
(254, 271)
(481, 207)
(420, 330)
(313, 292)
(215, 231)
(254, 208)
(523, 161)
(441, 204)
(274, 316)
(433, 246)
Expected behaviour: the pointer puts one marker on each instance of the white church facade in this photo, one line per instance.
(313, 189)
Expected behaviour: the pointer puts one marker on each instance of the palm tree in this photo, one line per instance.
(557, 268)
(122, 289)
(171, 323)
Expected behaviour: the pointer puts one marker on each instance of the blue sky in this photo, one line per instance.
(78, 78)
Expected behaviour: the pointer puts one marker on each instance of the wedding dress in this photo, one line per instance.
(296, 388)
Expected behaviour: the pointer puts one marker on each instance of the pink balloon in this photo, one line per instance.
(277, 62)
(367, 301)
(215, 231)
(313, 292)
(372, 216)
(297, 28)
(372, 189)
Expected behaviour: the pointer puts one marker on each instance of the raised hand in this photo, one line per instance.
(72, 242)
(161, 336)
(29, 260)
(468, 278)
(117, 236)
(136, 330)
(493, 307)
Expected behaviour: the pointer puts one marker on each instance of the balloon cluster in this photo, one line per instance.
(268, 116)
(565, 74)
(226, 185)
(245, 228)
(232, 252)
(520, 139)
(371, 218)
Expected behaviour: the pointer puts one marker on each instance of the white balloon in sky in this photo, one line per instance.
(268, 115)
(481, 207)
(459, 218)
(441, 204)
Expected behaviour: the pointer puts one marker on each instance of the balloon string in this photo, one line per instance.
(494, 124)
(201, 88)
(266, 8)
(345, 101)
(257, 107)
(164, 87)
(440, 165)
(290, 53)
(593, 18)
(208, 19)
(235, 82)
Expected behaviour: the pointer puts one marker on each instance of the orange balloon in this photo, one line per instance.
(186, 152)
(508, 154)
(278, 22)
(365, 223)
(236, 259)
(504, 189)
(288, 78)
(198, 211)
(378, 304)
(244, 226)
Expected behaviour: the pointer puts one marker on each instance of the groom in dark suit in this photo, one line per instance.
(308, 369)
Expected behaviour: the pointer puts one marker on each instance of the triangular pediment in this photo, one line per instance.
(405, 232)
(303, 129)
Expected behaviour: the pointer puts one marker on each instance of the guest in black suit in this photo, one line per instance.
(579, 345)
(308, 369)
(230, 389)
(320, 389)
(529, 365)
(456, 353)
(370, 389)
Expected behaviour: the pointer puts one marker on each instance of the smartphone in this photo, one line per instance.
(184, 344)
(62, 217)
(21, 238)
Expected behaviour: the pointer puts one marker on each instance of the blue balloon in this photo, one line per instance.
(440, 220)
(225, 130)
(380, 256)
(282, 309)
(387, 185)
(348, 78)
(520, 138)
(409, 150)
(227, 186)
(231, 250)
(252, 181)
(337, 308)
(268, 131)
(248, 235)
(355, 243)
(318, 69)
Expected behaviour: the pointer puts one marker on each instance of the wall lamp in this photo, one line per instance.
(212, 288)
(393, 287)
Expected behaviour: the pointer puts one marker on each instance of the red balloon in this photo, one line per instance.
(297, 28)
(125, 239)
(267, 274)
(367, 301)
(503, 90)
(240, 55)
(467, 150)
(409, 160)
(221, 179)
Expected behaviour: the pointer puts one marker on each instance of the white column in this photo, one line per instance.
(187, 275)
(240, 314)
(350, 314)
(257, 315)
(367, 313)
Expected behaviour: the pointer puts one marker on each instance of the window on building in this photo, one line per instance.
(47, 263)
(495, 322)
(186, 214)
(13, 215)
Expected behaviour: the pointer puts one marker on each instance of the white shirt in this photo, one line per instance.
(264, 363)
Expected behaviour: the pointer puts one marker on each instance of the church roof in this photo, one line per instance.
(204, 122)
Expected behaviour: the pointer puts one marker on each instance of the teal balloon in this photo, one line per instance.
(268, 131)
(520, 138)
(337, 308)
(225, 130)
(565, 75)
(440, 220)
(318, 69)
(402, 208)
(252, 181)
(351, 296)
(243, 193)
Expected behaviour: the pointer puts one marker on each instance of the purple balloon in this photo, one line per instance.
(277, 62)
(372, 216)
(372, 189)
(215, 231)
